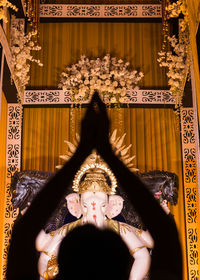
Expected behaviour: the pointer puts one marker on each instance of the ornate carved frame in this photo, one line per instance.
(100, 11)
(190, 177)
(56, 97)
(190, 149)
(189, 156)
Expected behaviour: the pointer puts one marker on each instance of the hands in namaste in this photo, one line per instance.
(95, 128)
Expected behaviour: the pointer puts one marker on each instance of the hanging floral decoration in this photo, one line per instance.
(6, 3)
(177, 67)
(177, 60)
(110, 76)
(21, 49)
(32, 8)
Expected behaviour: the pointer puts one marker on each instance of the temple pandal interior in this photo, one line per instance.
(142, 57)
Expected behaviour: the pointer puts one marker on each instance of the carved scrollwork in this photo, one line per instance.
(13, 159)
(13, 164)
(40, 97)
(64, 97)
(10, 212)
(191, 205)
(101, 11)
(131, 11)
(189, 153)
(79, 11)
(188, 126)
(7, 235)
(151, 96)
(51, 10)
(151, 10)
(119, 11)
(190, 165)
(4, 268)
(132, 96)
(157, 97)
(193, 255)
(168, 97)
(14, 122)
(67, 97)
(194, 274)
(53, 97)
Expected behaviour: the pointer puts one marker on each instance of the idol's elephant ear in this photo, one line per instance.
(115, 206)
(73, 204)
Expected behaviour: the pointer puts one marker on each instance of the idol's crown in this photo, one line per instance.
(95, 180)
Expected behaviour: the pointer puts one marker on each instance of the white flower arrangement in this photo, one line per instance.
(6, 3)
(21, 47)
(177, 67)
(110, 76)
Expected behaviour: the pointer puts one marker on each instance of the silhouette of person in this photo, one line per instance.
(22, 257)
(88, 252)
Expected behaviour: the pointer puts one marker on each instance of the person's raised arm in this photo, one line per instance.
(22, 259)
(166, 259)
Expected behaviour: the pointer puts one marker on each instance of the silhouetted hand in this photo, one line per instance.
(102, 142)
(89, 127)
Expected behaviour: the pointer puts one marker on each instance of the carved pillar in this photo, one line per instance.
(13, 162)
(189, 156)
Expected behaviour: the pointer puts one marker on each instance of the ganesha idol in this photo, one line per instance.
(94, 201)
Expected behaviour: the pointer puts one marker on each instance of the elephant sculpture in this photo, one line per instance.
(95, 200)
(95, 204)
(98, 208)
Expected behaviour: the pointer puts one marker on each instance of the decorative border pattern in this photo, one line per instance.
(100, 11)
(39, 97)
(191, 190)
(13, 160)
(189, 170)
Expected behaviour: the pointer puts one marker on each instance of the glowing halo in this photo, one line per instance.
(85, 168)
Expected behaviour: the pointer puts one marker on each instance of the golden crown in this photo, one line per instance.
(95, 180)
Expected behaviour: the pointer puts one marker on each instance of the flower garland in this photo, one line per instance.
(6, 3)
(110, 76)
(178, 60)
(177, 67)
(21, 47)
